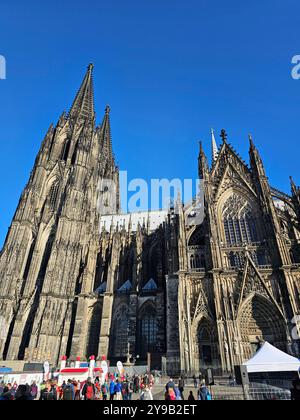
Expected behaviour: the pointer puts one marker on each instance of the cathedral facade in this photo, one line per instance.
(78, 283)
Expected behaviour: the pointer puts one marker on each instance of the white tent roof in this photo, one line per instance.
(270, 359)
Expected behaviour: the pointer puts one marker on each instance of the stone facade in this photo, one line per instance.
(78, 283)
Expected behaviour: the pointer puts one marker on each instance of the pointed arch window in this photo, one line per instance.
(53, 194)
(120, 333)
(239, 221)
(148, 330)
(66, 149)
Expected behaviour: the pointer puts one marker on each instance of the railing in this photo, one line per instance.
(242, 245)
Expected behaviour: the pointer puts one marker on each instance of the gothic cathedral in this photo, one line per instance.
(78, 283)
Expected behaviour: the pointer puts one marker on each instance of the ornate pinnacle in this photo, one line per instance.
(223, 135)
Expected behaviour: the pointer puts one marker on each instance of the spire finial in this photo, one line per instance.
(107, 110)
(223, 135)
(251, 140)
(91, 67)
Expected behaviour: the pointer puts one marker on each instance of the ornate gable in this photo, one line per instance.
(253, 283)
(230, 171)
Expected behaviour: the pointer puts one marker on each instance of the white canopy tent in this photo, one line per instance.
(270, 359)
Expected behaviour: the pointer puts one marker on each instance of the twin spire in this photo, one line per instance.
(83, 105)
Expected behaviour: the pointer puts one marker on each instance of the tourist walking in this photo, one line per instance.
(181, 385)
(203, 393)
(118, 390)
(112, 390)
(69, 391)
(88, 391)
(104, 390)
(191, 396)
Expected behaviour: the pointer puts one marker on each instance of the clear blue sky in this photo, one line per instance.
(169, 69)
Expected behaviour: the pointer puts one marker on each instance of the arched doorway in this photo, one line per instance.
(205, 345)
(259, 321)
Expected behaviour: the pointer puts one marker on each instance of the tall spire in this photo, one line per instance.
(214, 146)
(83, 105)
(202, 162)
(106, 135)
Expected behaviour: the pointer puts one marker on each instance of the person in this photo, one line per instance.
(202, 393)
(136, 384)
(195, 381)
(125, 390)
(112, 390)
(130, 389)
(7, 393)
(88, 391)
(69, 391)
(181, 385)
(148, 394)
(177, 393)
(104, 390)
(48, 393)
(146, 379)
(23, 393)
(118, 390)
(42, 386)
(170, 384)
(191, 396)
(295, 391)
(171, 396)
(33, 390)
(98, 391)
(76, 385)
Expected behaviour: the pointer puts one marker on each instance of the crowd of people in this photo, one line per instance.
(175, 391)
(115, 387)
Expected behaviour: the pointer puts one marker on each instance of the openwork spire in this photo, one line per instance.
(214, 146)
(106, 135)
(83, 105)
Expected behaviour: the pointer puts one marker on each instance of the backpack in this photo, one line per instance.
(89, 392)
(68, 394)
